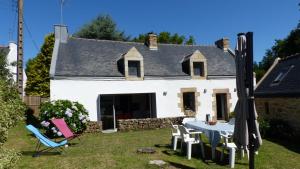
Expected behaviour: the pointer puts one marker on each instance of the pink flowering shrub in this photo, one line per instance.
(75, 115)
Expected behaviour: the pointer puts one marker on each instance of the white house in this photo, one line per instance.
(127, 80)
(11, 52)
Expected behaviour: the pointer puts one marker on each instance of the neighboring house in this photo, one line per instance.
(278, 92)
(127, 80)
(11, 52)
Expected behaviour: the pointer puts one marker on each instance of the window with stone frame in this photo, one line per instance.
(134, 68)
(189, 101)
(198, 68)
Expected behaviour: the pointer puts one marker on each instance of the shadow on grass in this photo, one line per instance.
(291, 144)
(172, 152)
(31, 118)
(162, 145)
(196, 153)
(177, 165)
(49, 153)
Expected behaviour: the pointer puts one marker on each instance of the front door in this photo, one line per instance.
(221, 100)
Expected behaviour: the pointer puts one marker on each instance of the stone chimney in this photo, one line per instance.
(223, 44)
(61, 33)
(151, 41)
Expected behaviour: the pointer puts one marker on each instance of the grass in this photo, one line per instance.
(118, 150)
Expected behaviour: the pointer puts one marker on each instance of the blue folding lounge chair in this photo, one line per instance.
(44, 140)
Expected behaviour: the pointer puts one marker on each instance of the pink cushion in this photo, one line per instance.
(63, 127)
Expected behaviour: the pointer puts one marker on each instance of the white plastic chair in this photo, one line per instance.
(230, 146)
(186, 138)
(175, 135)
(188, 119)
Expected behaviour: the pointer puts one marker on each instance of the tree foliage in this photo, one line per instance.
(12, 111)
(282, 49)
(4, 71)
(37, 70)
(167, 37)
(103, 27)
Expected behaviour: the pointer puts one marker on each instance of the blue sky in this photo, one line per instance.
(206, 20)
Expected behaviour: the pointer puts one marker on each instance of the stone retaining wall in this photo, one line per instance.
(94, 127)
(148, 123)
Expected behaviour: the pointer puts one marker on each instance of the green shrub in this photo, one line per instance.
(231, 115)
(8, 158)
(275, 128)
(280, 129)
(11, 111)
(73, 113)
(264, 127)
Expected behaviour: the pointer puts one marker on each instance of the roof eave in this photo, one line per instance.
(54, 58)
(276, 94)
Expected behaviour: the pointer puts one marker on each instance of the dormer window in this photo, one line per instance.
(195, 65)
(134, 68)
(198, 68)
(131, 65)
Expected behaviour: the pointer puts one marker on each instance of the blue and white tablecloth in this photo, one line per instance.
(211, 131)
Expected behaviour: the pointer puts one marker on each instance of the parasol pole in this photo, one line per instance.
(249, 85)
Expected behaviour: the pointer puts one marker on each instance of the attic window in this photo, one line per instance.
(134, 69)
(198, 68)
(278, 78)
(282, 75)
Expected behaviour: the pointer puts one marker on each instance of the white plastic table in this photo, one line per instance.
(211, 131)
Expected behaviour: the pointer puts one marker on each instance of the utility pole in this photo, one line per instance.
(20, 49)
(62, 2)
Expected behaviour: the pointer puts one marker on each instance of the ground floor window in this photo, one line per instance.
(267, 109)
(189, 101)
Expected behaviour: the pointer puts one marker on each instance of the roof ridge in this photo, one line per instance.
(171, 44)
(291, 56)
(140, 43)
(106, 40)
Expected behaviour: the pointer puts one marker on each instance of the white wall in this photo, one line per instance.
(11, 58)
(87, 91)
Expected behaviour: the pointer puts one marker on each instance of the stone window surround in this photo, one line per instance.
(180, 97)
(133, 55)
(197, 56)
(214, 101)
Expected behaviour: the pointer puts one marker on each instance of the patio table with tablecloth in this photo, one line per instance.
(213, 132)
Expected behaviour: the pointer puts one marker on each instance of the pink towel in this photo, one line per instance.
(63, 127)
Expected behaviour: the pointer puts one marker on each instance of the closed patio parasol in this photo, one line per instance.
(246, 131)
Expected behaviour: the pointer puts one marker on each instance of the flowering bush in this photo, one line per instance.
(73, 113)
(12, 111)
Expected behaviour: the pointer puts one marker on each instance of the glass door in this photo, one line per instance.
(107, 109)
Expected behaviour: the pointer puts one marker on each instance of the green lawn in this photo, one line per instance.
(118, 150)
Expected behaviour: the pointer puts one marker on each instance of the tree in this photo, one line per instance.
(4, 71)
(167, 37)
(103, 27)
(37, 70)
(191, 41)
(282, 49)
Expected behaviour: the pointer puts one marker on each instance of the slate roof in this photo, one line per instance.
(98, 58)
(289, 86)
